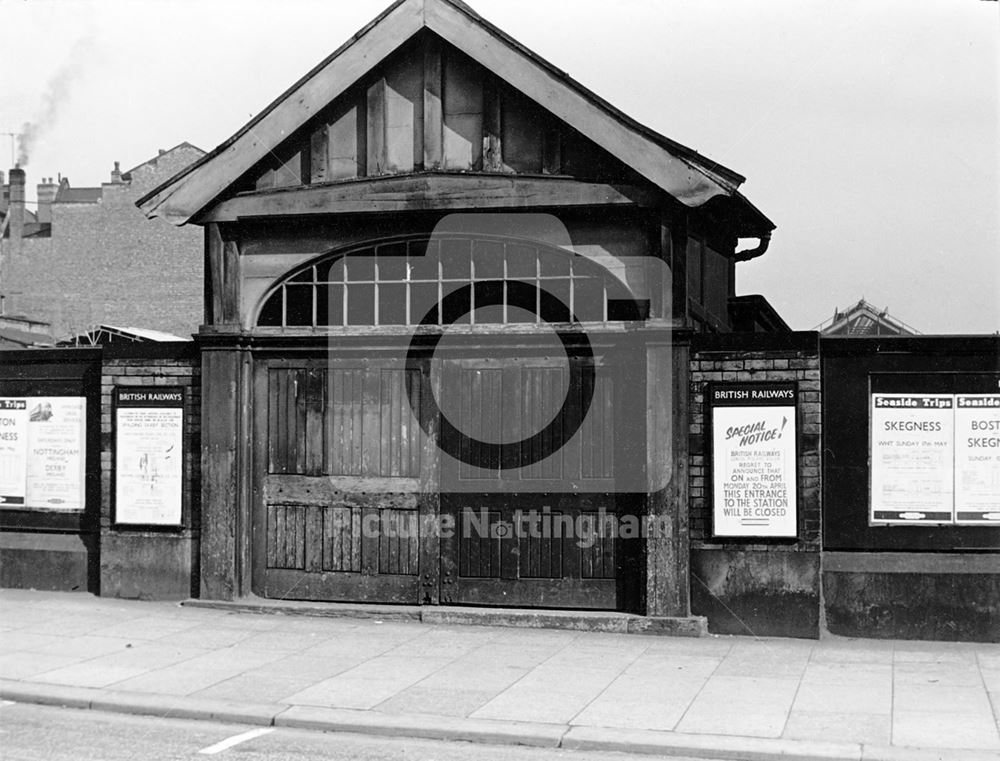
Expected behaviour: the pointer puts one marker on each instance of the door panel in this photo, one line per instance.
(348, 488)
(522, 536)
(339, 514)
(511, 399)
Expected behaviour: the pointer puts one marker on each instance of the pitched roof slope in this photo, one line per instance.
(864, 319)
(153, 161)
(683, 173)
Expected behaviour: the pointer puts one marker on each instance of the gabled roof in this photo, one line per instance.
(683, 173)
(864, 319)
(152, 161)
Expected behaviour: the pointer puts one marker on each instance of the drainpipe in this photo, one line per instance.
(753, 253)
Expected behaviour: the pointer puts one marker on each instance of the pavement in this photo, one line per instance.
(708, 697)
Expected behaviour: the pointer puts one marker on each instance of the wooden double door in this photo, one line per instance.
(447, 483)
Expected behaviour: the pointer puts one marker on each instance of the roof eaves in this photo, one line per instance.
(758, 221)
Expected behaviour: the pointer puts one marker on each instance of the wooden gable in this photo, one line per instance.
(429, 86)
(429, 107)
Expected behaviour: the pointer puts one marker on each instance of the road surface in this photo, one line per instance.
(43, 733)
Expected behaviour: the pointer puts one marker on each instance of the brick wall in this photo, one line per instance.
(158, 563)
(107, 263)
(764, 587)
(801, 366)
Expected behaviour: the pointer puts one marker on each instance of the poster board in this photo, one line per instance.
(935, 459)
(149, 456)
(13, 451)
(754, 459)
(977, 459)
(55, 470)
(912, 440)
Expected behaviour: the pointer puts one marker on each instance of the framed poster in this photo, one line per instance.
(56, 458)
(149, 456)
(977, 458)
(912, 462)
(13, 452)
(754, 459)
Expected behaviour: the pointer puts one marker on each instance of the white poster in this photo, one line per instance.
(754, 468)
(13, 451)
(977, 458)
(912, 438)
(149, 470)
(57, 428)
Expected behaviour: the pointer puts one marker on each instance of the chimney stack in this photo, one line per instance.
(46, 195)
(16, 210)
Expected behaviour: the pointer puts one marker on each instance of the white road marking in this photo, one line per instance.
(235, 740)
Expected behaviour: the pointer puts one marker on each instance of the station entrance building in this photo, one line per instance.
(471, 338)
(446, 286)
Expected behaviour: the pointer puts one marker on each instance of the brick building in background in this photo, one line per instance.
(88, 256)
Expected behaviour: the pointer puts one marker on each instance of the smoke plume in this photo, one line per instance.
(56, 95)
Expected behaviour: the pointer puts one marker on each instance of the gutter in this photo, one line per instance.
(753, 253)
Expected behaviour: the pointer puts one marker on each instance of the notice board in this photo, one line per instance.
(149, 456)
(13, 451)
(935, 458)
(754, 459)
(43, 453)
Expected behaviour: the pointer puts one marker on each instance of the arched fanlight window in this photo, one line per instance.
(402, 281)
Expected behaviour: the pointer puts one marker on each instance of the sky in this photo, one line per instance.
(867, 129)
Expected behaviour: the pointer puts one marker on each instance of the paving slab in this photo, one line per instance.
(211, 636)
(934, 729)
(267, 688)
(22, 665)
(305, 666)
(938, 697)
(178, 680)
(946, 674)
(149, 627)
(878, 653)
(659, 712)
(717, 697)
(85, 646)
(442, 700)
(854, 727)
(861, 697)
(526, 705)
(991, 678)
(735, 705)
(27, 640)
(845, 672)
(87, 675)
(670, 667)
